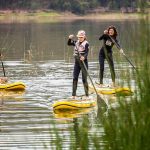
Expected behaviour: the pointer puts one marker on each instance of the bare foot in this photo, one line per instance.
(85, 97)
(73, 97)
(3, 80)
(113, 85)
(101, 85)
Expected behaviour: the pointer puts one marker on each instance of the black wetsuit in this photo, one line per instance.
(78, 65)
(106, 53)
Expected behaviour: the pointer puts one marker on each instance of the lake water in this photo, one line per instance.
(37, 54)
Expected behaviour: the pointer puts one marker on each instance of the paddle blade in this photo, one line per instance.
(101, 102)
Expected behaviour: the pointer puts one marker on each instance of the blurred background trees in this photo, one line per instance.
(75, 6)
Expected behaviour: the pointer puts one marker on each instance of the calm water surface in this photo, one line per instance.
(37, 55)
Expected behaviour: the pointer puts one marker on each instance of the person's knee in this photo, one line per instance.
(101, 69)
(75, 79)
(84, 81)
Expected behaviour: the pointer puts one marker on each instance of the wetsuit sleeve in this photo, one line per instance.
(71, 42)
(86, 51)
(118, 43)
(104, 36)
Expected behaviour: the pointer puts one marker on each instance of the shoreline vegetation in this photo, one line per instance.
(8, 16)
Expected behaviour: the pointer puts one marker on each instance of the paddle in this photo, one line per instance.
(2, 64)
(122, 52)
(98, 96)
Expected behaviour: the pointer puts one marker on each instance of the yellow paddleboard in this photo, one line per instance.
(74, 104)
(13, 86)
(110, 90)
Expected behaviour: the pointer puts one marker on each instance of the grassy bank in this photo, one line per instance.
(41, 16)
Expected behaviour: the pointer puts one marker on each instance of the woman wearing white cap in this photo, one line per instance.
(81, 48)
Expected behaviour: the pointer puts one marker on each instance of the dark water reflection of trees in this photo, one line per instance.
(46, 41)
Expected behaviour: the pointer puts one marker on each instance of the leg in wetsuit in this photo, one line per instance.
(109, 58)
(77, 67)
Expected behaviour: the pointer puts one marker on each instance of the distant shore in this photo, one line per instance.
(41, 16)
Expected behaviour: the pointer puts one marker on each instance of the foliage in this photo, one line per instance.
(75, 6)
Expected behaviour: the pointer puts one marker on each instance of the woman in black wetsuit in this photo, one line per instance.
(106, 53)
(81, 48)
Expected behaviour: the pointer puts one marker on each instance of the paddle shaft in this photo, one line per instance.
(2, 65)
(123, 52)
(89, 77)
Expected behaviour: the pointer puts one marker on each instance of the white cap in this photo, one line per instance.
(81, 33)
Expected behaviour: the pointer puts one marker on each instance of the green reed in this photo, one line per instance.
(127, 127)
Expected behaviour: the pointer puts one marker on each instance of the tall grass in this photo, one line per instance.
(128, 127)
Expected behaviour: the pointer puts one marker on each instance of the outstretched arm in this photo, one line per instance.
(118, 45)
(104, 35)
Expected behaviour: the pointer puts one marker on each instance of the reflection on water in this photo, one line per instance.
(38, 56)
(27, 120)
(74, 113)
(47, 41)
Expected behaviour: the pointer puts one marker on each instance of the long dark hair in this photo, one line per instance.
(115, 30)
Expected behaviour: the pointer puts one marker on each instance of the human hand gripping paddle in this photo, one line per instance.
(122, 52)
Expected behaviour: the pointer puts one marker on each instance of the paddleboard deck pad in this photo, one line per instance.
(111, 90)
(74, 104)
(13, 86)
